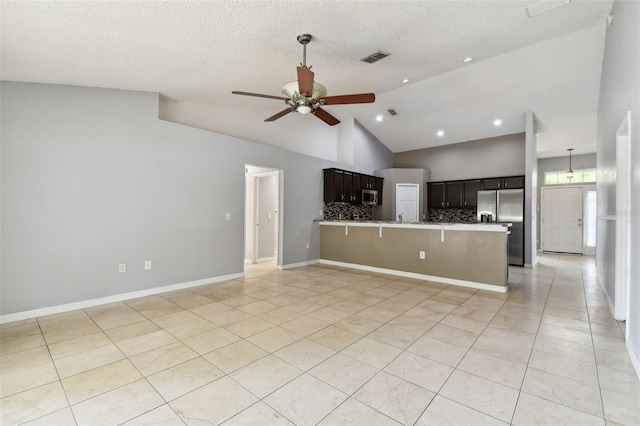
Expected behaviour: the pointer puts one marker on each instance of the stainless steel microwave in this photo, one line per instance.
(369, 197)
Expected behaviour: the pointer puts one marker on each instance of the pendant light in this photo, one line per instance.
(570, 171)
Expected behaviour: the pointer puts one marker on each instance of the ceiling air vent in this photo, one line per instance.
(375, 57)
(392, 112)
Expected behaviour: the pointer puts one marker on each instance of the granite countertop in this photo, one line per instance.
(347, 221)
(458, 226)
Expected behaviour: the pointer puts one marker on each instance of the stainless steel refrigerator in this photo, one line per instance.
(505, 206)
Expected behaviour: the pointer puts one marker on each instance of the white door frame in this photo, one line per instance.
(623, 217)
(417, 187)
(279, 174)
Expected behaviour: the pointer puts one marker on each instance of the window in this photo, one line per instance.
(559, 177)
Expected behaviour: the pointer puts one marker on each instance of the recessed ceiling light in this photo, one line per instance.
(467, 59)
(406, 80)
(497, 122)
(440, 133)
(379, 117)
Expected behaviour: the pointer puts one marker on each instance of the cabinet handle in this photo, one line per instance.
(447, 204)
(443, 204)
(506, 184)
(465, 204)
(342, 198)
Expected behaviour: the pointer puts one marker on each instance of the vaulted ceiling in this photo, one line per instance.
(195, 53)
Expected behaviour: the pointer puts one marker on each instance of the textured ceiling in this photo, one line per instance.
(196, 53)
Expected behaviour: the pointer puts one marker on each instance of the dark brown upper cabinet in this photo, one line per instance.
(453, 194)
(435, 195)
(470, 193)
(513, 182)
(342, 186)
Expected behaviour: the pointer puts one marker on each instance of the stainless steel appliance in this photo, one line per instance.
(505, 206)
(369, 197)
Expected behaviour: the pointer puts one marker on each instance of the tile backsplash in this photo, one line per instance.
(338, 211)
(452, 215)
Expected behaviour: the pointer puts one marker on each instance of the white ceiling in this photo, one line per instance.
(196, 53)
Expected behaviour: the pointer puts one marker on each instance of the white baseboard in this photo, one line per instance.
(299, 264)
(450, 281)
(266, 259)
(18, 316)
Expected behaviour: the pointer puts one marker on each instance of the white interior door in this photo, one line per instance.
(407, 200)
(562, 220)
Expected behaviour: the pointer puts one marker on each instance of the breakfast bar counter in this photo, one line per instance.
(465, 254)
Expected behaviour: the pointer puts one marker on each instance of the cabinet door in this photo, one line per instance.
(356, 189)
(492, 183)
(347, 187)
(516, 182)
(453, 194)
(367, 182)
(378, 185)
(436, 195)
(332, 185)
(470, 193)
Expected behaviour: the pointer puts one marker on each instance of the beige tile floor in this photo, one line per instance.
(321, 345)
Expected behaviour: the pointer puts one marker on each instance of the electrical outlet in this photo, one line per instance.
(228, 216)
(422, 255)
(122, 268)
(147, 265)
(307, 246)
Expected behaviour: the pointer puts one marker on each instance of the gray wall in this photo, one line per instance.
(387, 211)
(619, 93)
(586, 161)
(493, 157)
(92, 178)
(369, 151)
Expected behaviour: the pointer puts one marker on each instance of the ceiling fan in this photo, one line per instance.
(307, 97)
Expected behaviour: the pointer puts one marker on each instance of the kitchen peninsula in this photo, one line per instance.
(470, 255)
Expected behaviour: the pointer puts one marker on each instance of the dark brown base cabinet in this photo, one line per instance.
(464, 193)
(343, 186)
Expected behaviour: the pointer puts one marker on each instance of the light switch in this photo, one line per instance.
(228, 216)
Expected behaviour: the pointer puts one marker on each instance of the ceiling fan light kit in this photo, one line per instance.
(305, 96)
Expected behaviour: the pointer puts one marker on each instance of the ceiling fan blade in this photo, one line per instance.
(362, 98)
(305, 81)
(280, 114)
(258, 95)
(326, 117)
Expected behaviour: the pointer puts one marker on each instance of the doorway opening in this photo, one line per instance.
(263, 219)
(623, 218)
(407, 202)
